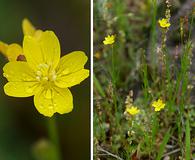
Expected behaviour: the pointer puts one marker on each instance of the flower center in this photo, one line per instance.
(45, 73)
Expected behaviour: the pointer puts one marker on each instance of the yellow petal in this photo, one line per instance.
(18, 71)
(20, 89)
(69, 80)
(3, 48)
(28, 28)
(38, 34)
(72, 62)
(60, 101)
(13, 51)
(45, 50)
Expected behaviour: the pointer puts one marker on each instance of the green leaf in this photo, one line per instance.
(98, 86)
(187, 145)
(163, 145)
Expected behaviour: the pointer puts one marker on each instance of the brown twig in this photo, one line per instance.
(172, 152)
(100, 149)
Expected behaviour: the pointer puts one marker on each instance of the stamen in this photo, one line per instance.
(44, 73)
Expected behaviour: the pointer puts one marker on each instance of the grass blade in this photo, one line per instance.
(163, 144)
(98, 86)
(187, 146)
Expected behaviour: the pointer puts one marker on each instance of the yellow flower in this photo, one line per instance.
(158, 105)
(164, 23)
(12, 51)
(109, 40)
(132, 110)
(44, 75)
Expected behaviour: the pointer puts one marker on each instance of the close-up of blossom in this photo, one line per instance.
(110, 39)
(158, 105)
(44, 75)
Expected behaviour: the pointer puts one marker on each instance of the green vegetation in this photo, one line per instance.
(147, 62)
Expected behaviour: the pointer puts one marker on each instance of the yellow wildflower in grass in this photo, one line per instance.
(44, 75)
(132, 110)
(164, 23)
(110, 39)
(12, 51)
(158, 105)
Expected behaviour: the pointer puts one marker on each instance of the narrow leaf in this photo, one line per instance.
(98, 86)
(187, 146)
(163, 145)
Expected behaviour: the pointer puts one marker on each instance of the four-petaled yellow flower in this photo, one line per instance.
(44, 75)
(132, 110)
(12, 51)
(158, 105)
(110, 39)
(164, 23)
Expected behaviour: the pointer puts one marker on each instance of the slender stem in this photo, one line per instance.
(113, 68)
(155, 126)
(191, 25)
(153, 32)
(113, 72)
(53, 135)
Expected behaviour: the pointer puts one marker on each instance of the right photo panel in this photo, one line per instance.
(144, 97)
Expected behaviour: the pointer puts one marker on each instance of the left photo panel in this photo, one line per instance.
(45, 80)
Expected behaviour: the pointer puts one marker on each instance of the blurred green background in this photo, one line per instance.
(21, 126)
